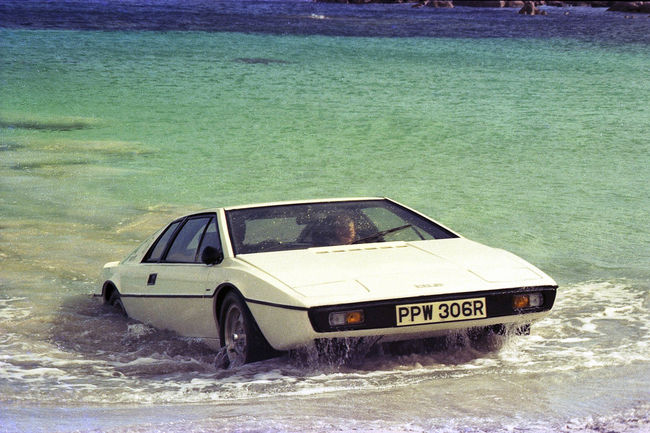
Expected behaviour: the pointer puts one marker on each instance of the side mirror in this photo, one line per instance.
(211, 256)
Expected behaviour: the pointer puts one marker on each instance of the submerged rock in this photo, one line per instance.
(260, 61)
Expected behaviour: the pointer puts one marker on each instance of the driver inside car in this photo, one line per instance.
(341, 229)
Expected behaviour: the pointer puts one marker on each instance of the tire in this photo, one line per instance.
(115, 301)
(242, 337)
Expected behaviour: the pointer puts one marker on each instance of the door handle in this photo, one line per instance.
(152, 280)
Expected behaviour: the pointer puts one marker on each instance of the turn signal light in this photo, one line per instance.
(341, 318)
(528, 300)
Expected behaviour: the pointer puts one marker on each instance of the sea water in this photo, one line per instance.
(525, 133)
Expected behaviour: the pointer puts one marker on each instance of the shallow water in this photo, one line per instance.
(537, 144)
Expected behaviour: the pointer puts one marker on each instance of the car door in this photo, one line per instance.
(179, 287)
(135, 277)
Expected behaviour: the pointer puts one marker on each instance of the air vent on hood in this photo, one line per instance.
(353, 248)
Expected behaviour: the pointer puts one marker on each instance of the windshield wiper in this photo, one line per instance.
(381, 233)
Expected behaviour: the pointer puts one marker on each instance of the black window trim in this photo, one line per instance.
(205, 229)
(183, 221)
(448, 232)
(146, 258)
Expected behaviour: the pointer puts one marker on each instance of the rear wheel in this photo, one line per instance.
(241, 336)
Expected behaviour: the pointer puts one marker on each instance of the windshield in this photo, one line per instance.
(299, 226)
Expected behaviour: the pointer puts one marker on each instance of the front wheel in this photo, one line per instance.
(115, 301)
(241, 336)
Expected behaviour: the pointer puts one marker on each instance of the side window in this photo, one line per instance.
(210, 239)
(159, 247)
(186, 244)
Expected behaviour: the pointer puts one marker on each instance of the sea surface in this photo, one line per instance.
(525, 133)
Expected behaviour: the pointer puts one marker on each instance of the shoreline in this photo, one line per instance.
(526, 7)
(302, 17)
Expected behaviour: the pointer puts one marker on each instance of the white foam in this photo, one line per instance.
(585, 331)
(10, 312)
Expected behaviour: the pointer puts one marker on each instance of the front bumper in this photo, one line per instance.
(382, 314)
(287, 328)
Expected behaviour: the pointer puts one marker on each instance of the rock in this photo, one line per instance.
(642, 7)
(434, 4)
(527, 7)
(442, 4)
(500, 4)
(530, 9)
(481, 4)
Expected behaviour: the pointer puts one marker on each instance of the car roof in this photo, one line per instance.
(282, 203)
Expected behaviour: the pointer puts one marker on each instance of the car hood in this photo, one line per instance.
(353, 273)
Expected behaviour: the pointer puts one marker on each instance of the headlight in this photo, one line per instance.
(342, 318)
(527, 300)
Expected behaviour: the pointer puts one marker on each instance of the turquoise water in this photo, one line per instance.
(536, 145)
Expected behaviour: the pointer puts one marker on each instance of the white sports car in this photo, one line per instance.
(279, 276)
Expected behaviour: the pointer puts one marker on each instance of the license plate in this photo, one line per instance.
(443, 311)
